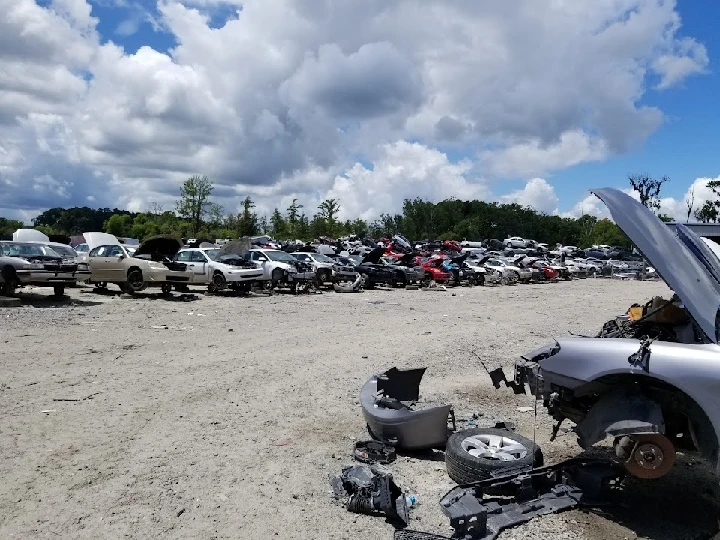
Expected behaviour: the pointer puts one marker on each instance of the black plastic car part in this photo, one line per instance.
(374, 452)
(531, 492)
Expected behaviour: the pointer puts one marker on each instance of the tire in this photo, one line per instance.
(480, 279)
(100, 285)
(218, 281)
(134, 281)
(166, 288)
(58, 291)
(465, 468)
(9, 281)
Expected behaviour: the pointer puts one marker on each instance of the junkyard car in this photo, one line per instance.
(281, 268)
(26, 263)
(649, 382)
(327, 269)
(150, 265)
(207, 269)
(407, 271)
(373, 271)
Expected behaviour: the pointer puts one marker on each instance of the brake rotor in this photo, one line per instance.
(652, 456)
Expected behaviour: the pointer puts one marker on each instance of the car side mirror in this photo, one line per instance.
(120, 257)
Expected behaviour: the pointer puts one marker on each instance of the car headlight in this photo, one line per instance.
(37, 266)
(156, 265)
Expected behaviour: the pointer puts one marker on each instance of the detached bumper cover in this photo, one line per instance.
(388, 402)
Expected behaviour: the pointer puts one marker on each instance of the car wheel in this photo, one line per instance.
(9, 282)
(474, 454)
(480, 279)
(166, 288)
(218, 281)
(100, 285)
(134, 281)
(58, 291)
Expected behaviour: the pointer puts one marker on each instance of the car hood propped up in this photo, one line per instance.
(159, 246)
(678, 265)
(239, 247)
(95, 239)
(374, 256)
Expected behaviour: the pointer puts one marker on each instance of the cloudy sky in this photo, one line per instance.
(116, 102)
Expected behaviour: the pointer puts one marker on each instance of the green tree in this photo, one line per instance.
(710, 210)
(9, 226)
(328, 211)
(194, 203)
(605, 232)
(247, 219)
(118, 225)
(278, 225)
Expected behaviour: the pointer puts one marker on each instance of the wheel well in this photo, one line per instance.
(216, 272)
(8, 271)
(680, 411)
(134, 268)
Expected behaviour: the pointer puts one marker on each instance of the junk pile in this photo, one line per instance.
(500, 474)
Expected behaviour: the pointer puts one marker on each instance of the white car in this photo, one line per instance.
(510, 274)
(278, 266)
(208, 268)
(515, 242)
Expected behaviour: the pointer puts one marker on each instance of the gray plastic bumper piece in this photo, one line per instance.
(388, 402)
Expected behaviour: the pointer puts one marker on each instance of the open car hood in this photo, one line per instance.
(29, 235)
(374, 256)
(675, 257)
(240, 247)
(161, 245)
(95, 239)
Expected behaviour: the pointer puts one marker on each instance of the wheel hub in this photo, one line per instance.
(651, 456)
(494, 447)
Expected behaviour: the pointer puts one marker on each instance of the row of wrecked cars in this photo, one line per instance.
(164, 262)
(647, 382)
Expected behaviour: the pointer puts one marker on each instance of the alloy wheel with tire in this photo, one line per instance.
(474, 454)
(218, 282)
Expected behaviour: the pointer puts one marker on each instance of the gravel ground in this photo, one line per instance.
(223, 417)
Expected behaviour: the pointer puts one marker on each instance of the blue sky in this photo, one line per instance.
(528, 104)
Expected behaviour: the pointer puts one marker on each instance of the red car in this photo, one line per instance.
(548, 273)
(433, 268)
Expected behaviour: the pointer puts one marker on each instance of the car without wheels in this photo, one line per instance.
(648, 379)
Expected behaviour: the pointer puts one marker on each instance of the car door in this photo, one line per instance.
(262, 260)
(184, 257)
(114, 264)
(99, 263)
(199, 266)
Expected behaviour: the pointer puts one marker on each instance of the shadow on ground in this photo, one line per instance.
(40, 300)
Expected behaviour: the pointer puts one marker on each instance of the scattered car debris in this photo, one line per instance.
(391, 407)
(372, 491)
(374, 452)
(532, 493)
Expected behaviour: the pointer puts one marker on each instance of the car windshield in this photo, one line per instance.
(319, 257)
(212, 254)
(279, 256)
(65, 251)
(13, 249)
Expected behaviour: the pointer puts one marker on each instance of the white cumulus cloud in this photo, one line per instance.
(282, 97)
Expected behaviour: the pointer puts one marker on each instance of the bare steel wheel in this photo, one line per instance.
(651, 456)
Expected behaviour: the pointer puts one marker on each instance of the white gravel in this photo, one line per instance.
(227, 423)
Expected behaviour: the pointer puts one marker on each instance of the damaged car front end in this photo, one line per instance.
(649, 381)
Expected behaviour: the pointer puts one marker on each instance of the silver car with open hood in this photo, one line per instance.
(650, 381)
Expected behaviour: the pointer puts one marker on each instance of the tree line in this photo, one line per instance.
(196, 215)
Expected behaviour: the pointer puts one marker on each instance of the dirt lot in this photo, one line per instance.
(227, 423)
